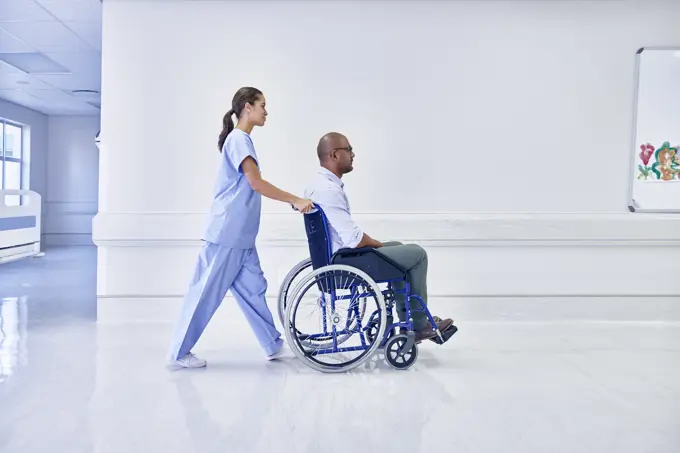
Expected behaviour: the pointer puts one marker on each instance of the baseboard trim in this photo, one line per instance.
(283, 243)
(435, 296)
(464, 310)
(67, 239)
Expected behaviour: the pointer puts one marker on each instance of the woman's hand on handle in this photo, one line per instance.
(303, 205)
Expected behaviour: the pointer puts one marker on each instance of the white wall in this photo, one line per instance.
(72, 180)
(500, 131)
(37, 145)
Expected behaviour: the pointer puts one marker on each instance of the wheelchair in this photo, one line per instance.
(355, 314)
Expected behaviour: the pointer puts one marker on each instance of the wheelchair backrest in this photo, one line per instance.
(318, 238)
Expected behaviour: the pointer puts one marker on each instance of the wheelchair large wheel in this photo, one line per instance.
(334, 337)
(300, 269)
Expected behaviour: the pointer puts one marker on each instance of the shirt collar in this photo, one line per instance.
(330, 175)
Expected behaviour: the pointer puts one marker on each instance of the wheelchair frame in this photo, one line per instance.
(374, 269)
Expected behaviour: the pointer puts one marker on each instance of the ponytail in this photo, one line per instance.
(227, 127)
(245, 95)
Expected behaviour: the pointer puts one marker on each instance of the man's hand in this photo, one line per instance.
(367, 241)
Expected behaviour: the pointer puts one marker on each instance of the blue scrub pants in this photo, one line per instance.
(218, 270)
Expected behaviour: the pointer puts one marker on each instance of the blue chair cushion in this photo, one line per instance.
(368, 259)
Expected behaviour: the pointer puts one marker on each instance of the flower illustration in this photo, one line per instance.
(646, 153)
(662, 164)
(666, 166)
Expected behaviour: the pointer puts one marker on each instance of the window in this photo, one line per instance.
(11, 159)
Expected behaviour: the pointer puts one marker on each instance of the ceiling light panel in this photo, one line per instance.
(73, 10)
(46, 34)
(22, 11)
(10, 43)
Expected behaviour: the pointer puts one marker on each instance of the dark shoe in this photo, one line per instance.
(446, 335)
(437, 319)
(428, 332)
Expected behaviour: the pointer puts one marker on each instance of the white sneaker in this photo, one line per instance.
(283, 353)
(189, 361)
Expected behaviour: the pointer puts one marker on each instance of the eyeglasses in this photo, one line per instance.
(347, 148)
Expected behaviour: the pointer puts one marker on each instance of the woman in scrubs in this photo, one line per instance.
(229, 260)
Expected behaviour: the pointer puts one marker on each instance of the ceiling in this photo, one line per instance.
(50, 51)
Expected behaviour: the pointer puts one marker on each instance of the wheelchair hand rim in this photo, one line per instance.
(292, 342)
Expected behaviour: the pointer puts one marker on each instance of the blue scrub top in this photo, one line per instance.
(234, 218)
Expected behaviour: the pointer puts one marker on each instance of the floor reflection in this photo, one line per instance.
(69, 384)
(13, 335)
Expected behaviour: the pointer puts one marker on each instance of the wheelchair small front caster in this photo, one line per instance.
(396, 357)
(374, 327)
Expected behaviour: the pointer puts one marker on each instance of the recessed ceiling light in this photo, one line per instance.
(86, 95)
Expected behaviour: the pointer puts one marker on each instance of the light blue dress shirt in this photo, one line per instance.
(327, 191)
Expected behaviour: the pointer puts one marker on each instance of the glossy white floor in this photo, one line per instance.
(558, 375)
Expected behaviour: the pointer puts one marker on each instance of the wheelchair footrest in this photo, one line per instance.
(446, 334)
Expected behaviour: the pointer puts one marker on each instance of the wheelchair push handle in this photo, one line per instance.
(315, 209)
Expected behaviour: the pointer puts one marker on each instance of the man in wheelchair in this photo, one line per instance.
(327, 191)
